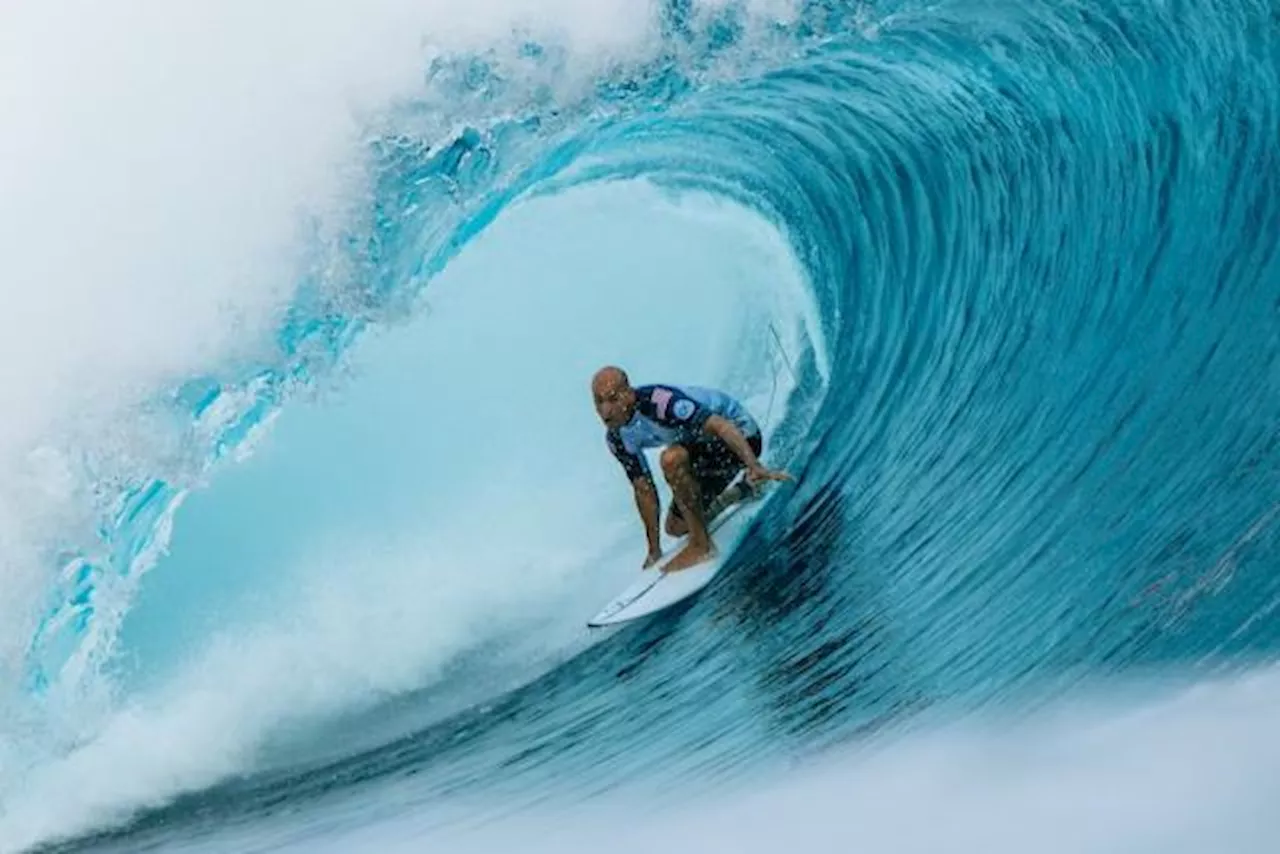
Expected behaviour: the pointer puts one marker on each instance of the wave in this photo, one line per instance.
(1022, 265)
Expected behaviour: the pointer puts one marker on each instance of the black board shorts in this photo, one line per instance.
(714, 465)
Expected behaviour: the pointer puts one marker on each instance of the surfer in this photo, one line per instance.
(709, 438)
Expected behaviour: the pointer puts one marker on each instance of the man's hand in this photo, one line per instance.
(757, 473)
(724, 429)
(653, 558)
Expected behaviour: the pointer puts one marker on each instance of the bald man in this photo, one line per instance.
(709, 438)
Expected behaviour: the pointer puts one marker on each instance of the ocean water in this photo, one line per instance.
(303, 503)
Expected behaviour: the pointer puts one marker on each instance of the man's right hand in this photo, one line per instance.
(653, 558)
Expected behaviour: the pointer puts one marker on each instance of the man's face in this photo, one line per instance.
(615, 402)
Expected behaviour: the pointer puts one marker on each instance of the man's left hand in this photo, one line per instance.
(759, 473)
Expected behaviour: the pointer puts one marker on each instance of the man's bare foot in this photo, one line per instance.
(690, 556)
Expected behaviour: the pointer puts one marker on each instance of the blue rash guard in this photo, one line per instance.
(668, 415)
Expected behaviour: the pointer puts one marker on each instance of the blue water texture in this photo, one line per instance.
(1044, 242)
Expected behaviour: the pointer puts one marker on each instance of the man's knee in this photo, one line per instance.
(673, 459)
(676, 526)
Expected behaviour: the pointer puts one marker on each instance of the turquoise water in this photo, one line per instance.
(1018, 266)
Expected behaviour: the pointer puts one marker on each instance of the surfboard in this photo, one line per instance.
(655, 590)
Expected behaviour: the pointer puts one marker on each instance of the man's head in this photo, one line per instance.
(614, 397)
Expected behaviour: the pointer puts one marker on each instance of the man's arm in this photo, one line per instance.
(646, 493)
(728, 432)
(647, 504)
(674, 408)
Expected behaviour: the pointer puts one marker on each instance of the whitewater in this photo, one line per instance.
(303, 503)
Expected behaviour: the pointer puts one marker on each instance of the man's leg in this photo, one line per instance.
(709, 485)
(675, 522)
(735, 492)
(717, 469)
(678, 471)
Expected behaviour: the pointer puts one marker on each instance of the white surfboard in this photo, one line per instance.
(654, 589)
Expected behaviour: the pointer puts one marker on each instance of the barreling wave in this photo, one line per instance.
(1035, 432)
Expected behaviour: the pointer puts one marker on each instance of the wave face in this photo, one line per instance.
(1005, 278)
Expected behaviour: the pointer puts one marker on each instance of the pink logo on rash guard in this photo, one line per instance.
(661, 397)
